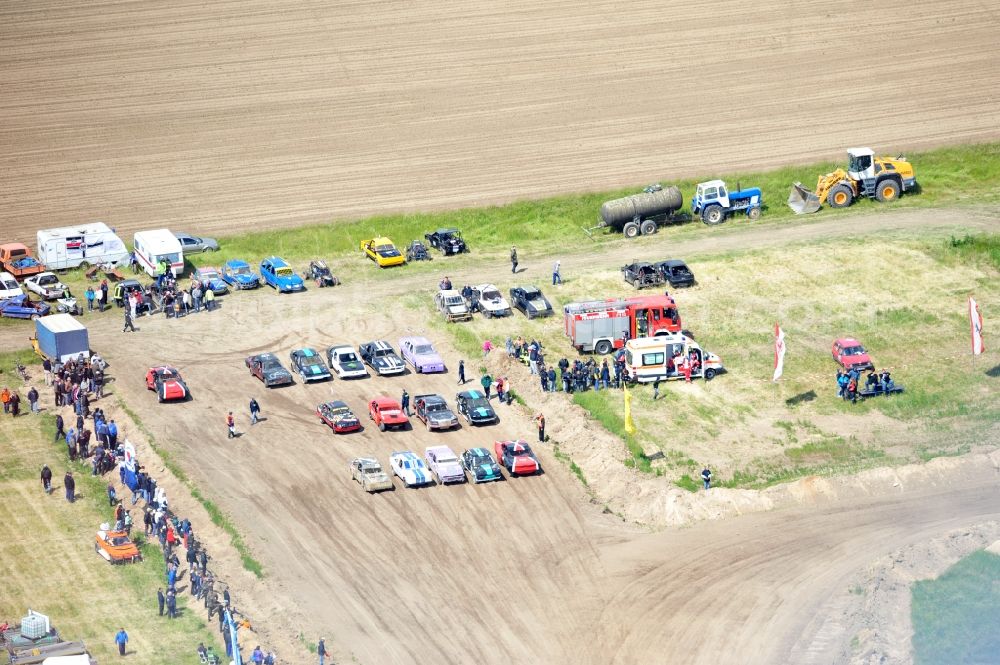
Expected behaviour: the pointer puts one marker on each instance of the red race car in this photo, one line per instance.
(517, 457)
(167, 383)
(849, 354)
(387, 413)
(338, 416)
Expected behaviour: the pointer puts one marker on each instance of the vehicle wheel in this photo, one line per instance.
(888, 190)
(428, 424)
(208, 250)
(709, 373)
(603, 347)
(840, 196)
(34, 317)
(381, 427)
(713, 215)
(753, 214)
(631, 230)
(648, 227)
(84, 265)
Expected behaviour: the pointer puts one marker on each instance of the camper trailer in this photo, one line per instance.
(152, 246)
(84, 245)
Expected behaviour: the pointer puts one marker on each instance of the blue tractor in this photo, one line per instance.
(714, 202)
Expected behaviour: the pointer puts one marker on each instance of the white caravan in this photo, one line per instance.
(81, 246)
(153, 246)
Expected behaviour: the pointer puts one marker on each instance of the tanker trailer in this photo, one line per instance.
(641, 213)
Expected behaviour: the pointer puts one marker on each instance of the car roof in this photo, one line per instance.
(276, 261)
(473, 394)
(433, 398)
(405, 454)
(673, 263)
(307, 352)
(237, 263)
(478, 451)
(448, 230)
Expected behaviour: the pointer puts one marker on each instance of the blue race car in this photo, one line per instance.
(481, 465)
(22, 307)
(279, 275)
(238, 274)
(310, 365)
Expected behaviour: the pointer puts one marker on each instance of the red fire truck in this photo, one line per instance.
(604, 325)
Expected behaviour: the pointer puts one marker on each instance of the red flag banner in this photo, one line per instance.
(779, 352)
(976, 322)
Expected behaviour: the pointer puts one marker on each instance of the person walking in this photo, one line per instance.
(254, 411)
(60, 424)
(112, 495)
(461, 372)
(160, 600)
(486, 382)
(121, 639)
(500, 387)
(404, 401)
(540, 422)
(128, 320)
(231, 424)
(487, 347)
(321, 650)
(706, 477)
(513, 259)
(46, 479)
(556, 276)
(70, 484)
(656, 388)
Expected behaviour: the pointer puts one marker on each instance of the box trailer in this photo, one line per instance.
(153, 246)
(81, 246)
(60, 337)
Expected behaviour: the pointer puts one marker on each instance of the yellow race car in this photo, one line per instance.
(382, 252)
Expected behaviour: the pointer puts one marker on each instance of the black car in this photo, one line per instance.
(381, 357)
(417, 251)
(309, 365)
(530, 301)
(475, 407)
(449, 241)
(676, 272)
(642, 275)
(267, 368)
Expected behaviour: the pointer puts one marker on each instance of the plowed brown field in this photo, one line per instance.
(246, 114)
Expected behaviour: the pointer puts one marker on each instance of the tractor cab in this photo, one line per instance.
(712, 192)
(860, 164)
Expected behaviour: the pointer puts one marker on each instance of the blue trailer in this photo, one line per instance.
(713, 202)
(60, 337)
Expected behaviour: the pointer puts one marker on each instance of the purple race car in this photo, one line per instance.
(419, 352)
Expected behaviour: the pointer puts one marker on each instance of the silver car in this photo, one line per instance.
(193, 244)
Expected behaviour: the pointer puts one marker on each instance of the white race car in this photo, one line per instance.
(487, 299)
(411, 469)
(445, 465)
(346, 362)
(47, 285)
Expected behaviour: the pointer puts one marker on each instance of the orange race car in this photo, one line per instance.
(116, 547)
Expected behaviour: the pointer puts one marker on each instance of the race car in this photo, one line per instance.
(309, 365)
(380, 356)
(267, 368)
(46, 285)
(167, 383)
(210, 278)
(382, 252)
(449, 241)
(320, 273)
(530, 301)
(475, 407)
(411, 469)
(517, 457)
(487, 299)
(850, 354)
(277, 274)
(338, 416)
(369, 474)
(451, 303)
(433, 411)
(115, 547)
(417, 251)
(481, 465)
(420, 353)
(387, 414)
(23, 307)
(444, 464)
(237, 273)
(343, 360)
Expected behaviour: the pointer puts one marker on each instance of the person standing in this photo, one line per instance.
(196, 294)
(99, 298)
(321, 650)
(487, 347)
(513, 259)
(500, 388)
(121, 639)
(254, 411)
(556, 276)
(656, 388)
(461, 372)
(71, 443)
(47, 370)
(209, 300)
(5, 398)
(70, 484)
(404, 401)
(15, 404)
(47, 479)
(113, 434)
(486, 382)
(171, 604)
(60, 424)
(706, 477)
(231, 424)
(89, 293)
(128, 320)
(540, 422)
(160, 600)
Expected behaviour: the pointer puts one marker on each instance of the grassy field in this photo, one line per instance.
(955, 617)
(904, 298)
(47, 549)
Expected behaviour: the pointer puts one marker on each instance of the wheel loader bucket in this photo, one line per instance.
(802, 201)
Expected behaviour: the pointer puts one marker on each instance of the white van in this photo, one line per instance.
(152, 246)
(651, 358)
(84, 245)
(9, 288)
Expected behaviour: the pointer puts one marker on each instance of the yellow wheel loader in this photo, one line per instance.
(881, 178)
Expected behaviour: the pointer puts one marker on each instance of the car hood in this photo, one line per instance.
(427, 359)
(457, 309)
(859, 359)
(352, 366)
(445, 416)
(314, 370)
(243, 278)
(393, 416)
(486, 469)
(524, 462)
(388, 362)
(277, 373)
(450, 469)
(480, 412)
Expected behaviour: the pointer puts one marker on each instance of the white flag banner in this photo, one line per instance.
(976, 321)
(779, 352)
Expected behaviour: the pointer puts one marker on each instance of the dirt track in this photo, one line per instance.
(225, 115)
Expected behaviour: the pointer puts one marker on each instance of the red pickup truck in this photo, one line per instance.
(18, 260)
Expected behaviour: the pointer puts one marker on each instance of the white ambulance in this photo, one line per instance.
(662, 357)
(153, 246)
